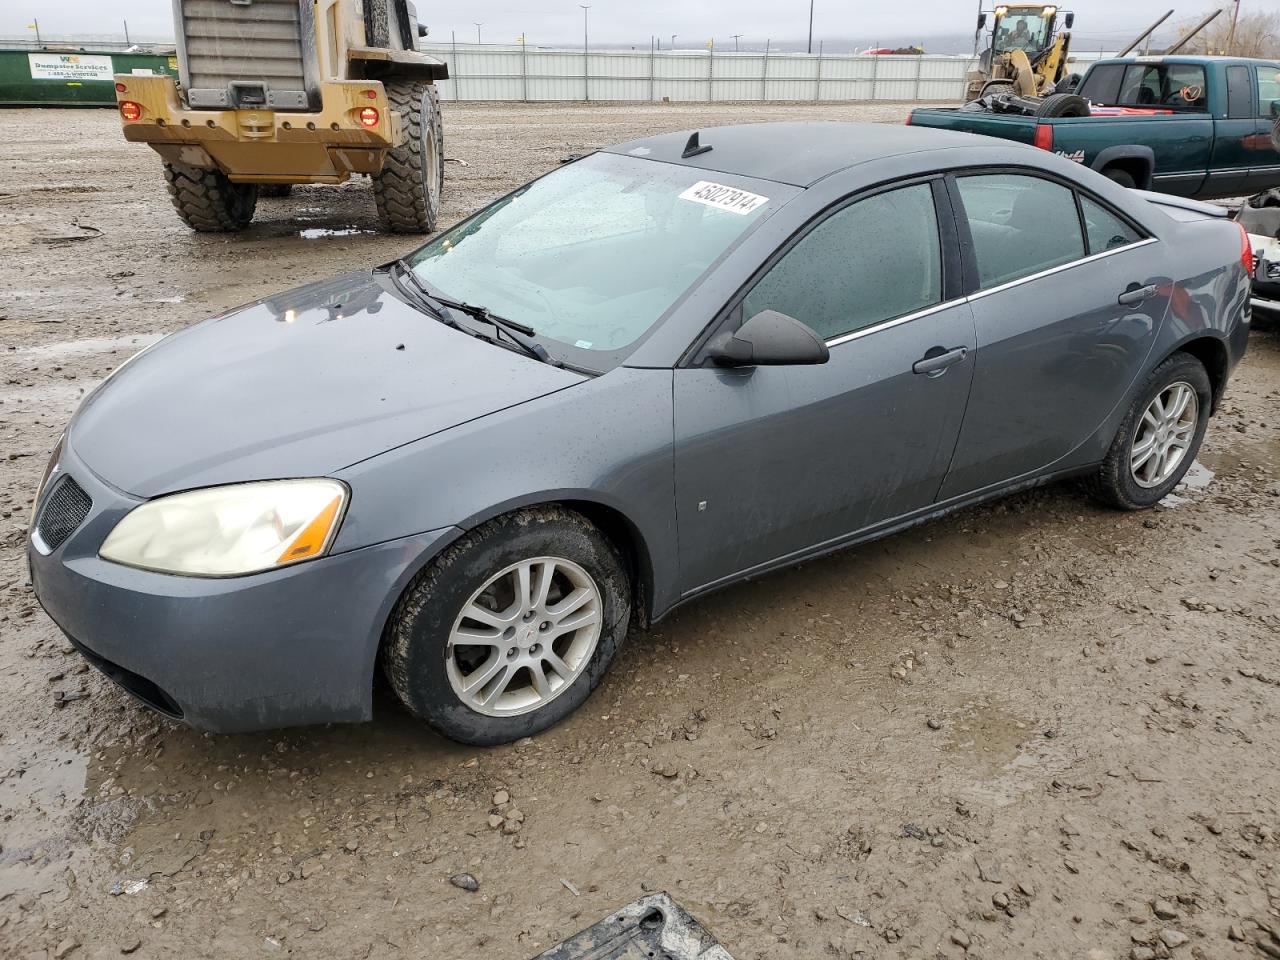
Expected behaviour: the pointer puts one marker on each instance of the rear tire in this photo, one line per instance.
(1063, 105)
(464, 637)
(1120, 177)
(275, 189)
(1117, 482)
(409, 185)
(207, 200)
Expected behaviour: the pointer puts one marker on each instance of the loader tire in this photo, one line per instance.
(275, 190)
(1063, 105)
(377, 28)
(207, 200)
(408, 188)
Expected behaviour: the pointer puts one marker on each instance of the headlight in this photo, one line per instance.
(230, 531)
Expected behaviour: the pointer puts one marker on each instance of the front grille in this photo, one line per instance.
(63, 511)
(252, 45)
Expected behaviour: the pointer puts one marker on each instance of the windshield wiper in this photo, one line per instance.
(517, 332)
(422, 295)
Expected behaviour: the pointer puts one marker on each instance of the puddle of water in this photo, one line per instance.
(88, 346)
(1196, 481)
(315, 233)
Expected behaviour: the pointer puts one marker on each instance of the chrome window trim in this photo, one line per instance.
(978, 295)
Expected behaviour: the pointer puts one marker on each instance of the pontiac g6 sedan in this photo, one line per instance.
(662, 368)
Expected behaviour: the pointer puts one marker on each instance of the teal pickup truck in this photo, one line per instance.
(1200, 127)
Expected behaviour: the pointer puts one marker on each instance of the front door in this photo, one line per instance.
(1066, 313)
(773, 461)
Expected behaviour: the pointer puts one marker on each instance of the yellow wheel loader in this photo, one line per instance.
(276, 92)
(1027, 55)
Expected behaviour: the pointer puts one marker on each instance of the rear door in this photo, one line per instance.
(1057, 347)
(773, 461)
(1234, 133)
(1264, 160)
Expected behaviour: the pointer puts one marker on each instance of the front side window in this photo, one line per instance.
(1104, 229)
(1020, 225)
(592, 255)
(872, 261)
(1268, 90)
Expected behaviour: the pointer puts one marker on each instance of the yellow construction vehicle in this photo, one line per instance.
(1027, 55)
(277, 92)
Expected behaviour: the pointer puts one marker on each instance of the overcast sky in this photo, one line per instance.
(629, 21)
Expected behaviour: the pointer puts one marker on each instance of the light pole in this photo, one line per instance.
(735, 42)
(586, 72)
(811, 26)
(478, 26)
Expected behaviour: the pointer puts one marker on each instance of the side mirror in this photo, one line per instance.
(770, 339)
(982, 20)
(1069, 20)
(1275, 110)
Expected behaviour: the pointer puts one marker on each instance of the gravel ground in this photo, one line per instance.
(1034, 729)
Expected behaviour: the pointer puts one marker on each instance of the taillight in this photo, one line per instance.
(130, 110)
(1044, 136)
(369, 117)
(371, 94)
(1246, 250)
(908, 120)
(121, 88)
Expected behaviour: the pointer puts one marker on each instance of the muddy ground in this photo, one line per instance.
(1035, 729)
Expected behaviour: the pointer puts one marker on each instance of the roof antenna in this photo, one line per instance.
(693, 148)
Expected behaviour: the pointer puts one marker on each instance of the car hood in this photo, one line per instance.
(300, 384)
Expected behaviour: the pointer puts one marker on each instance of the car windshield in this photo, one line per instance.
(595, 253)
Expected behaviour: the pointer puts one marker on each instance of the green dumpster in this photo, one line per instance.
(62, 77)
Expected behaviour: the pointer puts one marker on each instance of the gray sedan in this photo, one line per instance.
(662, 368)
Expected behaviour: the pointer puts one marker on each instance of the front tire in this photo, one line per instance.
(511, 628)
(207, 200)
(408, 187)
(1159, 438)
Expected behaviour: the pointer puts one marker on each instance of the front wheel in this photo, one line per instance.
(408, 187)
(511, 628)
(1160, 436)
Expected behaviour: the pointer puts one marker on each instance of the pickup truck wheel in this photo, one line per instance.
(1063, 105)
(1159, 438)
(510, 629)
(207, 200)
(1119, 176)
(409, 185)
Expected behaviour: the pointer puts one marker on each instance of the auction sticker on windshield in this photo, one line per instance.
(724, 198)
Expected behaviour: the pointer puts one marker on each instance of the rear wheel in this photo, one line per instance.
(408, 188)
(1120, 176)
(207, 200)
(511, 628)
(1160, 436)
(275, 189)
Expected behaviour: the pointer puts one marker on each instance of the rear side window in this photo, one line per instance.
(1102, 84)
(1104, 229)
(1268, 90)
(1239, 94)
(877, 259)
(1020, 225)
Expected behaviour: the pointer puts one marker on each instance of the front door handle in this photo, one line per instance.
(1135, 294)
(938, 359)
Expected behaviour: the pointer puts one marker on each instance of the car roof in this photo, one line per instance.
(799, 154)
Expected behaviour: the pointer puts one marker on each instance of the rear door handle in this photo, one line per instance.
(1136, 294)
(936, 364)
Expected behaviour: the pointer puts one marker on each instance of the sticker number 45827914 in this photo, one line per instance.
(724, 198)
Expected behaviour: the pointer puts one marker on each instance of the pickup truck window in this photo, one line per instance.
(1268, 90)
(1020, 225)
(1104, 229)
(1239, 93)
(1176, 86)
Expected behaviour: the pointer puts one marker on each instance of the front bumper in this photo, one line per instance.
(265, 145)
(290, 647)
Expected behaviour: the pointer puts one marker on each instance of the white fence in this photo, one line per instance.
(520, 73)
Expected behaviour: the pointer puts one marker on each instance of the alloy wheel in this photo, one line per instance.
(524, 637)
(1164, 434)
